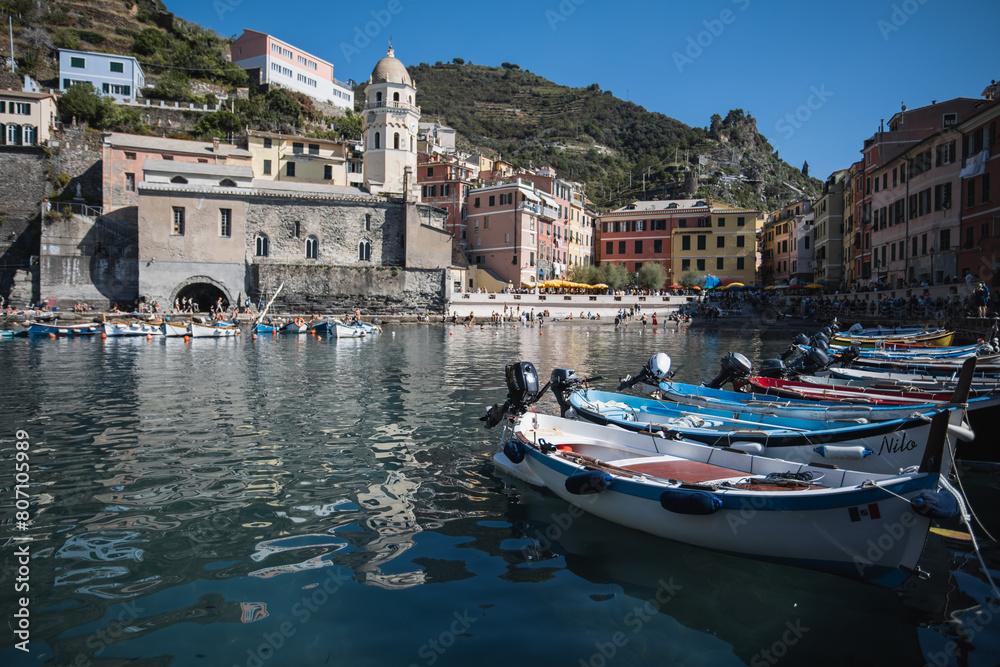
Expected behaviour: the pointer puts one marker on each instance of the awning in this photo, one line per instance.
(530, 196)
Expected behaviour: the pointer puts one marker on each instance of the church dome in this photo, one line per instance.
(390, 70)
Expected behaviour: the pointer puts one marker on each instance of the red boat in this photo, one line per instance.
(816, 392)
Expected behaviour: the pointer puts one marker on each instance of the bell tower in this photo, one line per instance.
(390, 129)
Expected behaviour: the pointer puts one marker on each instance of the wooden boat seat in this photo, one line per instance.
(684, 470)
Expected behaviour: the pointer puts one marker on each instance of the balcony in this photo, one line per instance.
(540, 210)
(401, 106)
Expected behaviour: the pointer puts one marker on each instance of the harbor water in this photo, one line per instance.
(297, 500)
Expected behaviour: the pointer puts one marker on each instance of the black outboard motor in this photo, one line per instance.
(847, 356)
(774, 368)
(814, 360)
(801, 339)
(522, 391)
(734, 367)
(820, 344)
(820, 336)
(564, 382)
(656, 370)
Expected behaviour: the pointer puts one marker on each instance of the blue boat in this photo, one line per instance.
(64, 330)
(321, 327)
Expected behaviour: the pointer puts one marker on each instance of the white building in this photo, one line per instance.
(112, 75)
(274, 62)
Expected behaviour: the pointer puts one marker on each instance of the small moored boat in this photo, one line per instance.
(64, 330)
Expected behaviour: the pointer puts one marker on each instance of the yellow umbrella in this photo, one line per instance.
(599, 286)
(770, 287)
(814, 286)
(735, 285)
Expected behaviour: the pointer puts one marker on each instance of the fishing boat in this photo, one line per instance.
(819, 389)
(172, 330)
(223, 330)
(369, 327)
(296, 326)
(923, 381)
(322, 327)
(134, 329)
(270, 328)
(725, 499)
(341, 330)
(64, 330)
(936, 338)
(882, 447)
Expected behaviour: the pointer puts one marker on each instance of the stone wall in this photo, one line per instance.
(23, 184)
(339, 226)
(337, 289)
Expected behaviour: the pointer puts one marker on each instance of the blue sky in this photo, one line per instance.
(818, 77)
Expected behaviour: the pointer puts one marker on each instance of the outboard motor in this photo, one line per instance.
(656, 370)
(801, 339)
(820, 344)
(522, 391)
(820, 336)
(773, 368)
(826, 331)
(814, 360)
(734, 367)
(847, 356)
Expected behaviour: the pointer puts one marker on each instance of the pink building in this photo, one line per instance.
(270, 61)
(508, 227)
(123, 156)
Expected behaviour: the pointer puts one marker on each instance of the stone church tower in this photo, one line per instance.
(390, 130)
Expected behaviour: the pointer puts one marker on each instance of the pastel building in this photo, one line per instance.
(25, 118)
(112, 75)
(284, 157)
(828, 245)
(271, 61)
(978, 193)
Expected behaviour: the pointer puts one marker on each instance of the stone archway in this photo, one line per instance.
(204, 291)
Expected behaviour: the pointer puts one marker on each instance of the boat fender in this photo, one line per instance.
(935, 505)
(587, 482)
(748, 447)
(571, 414)
(513, 451)
(685, 501)
(963, 432)
(855, 453)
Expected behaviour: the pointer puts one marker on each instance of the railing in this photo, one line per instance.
(78, 208)
(392, 105)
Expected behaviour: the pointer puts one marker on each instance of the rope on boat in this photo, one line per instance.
(954, 467)
(964, 509)
(869, 483)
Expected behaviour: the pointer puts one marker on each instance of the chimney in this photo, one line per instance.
(215, 145)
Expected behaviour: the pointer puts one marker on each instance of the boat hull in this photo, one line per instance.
(64, 330)
(196, 330)
(135, 329)
(818, 528)
(339, 330)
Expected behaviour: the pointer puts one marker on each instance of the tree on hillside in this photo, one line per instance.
(458, 61)
(805, 169)
(82, 102)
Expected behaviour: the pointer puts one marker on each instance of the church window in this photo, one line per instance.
(395, 140)
(378, 140)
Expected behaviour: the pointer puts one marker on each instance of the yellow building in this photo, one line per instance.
(721, 244)
(25, 118)
(295, 159)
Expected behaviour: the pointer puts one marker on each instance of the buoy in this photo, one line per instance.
(52, 335)
(104, 334)
(187, 338)
(541, 333)
(451, 333)
(255, 336)
(274, 332)
(149, 336)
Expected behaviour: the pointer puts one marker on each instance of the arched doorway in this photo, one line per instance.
(205, 295)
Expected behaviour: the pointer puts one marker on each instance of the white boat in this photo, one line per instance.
(727, 500)
(171, 330)
(196, 330)
(143, 329)
(340, 330)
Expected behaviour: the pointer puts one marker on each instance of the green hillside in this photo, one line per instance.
(589, 135)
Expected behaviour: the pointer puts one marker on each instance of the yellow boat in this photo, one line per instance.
(935, 339)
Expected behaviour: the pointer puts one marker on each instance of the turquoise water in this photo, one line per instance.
(304, 501)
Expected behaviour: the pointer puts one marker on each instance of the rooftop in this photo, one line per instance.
(147, 143)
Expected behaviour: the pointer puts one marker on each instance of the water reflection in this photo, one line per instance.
(179, 486)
